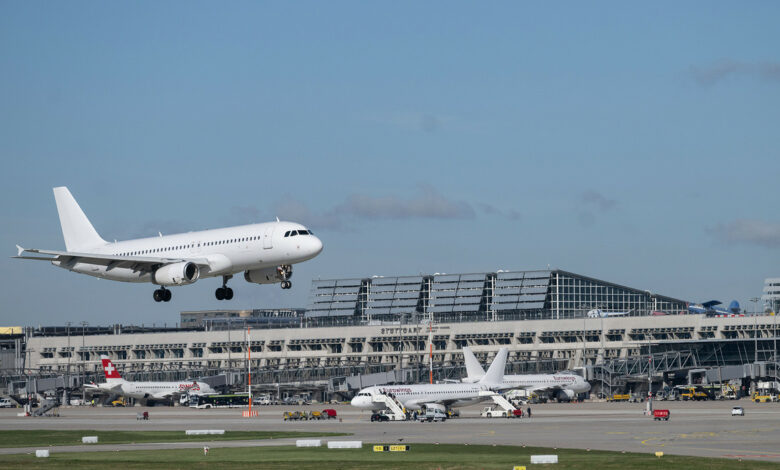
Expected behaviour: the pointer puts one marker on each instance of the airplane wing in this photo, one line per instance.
(104, 389)
(137, 263)
(711, 303)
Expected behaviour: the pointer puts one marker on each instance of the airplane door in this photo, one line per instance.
(268, 236)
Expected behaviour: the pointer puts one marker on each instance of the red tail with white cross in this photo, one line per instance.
(109, 369)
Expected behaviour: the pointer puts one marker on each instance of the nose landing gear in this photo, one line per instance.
(162, 295)
(224, 292)
(285, 272)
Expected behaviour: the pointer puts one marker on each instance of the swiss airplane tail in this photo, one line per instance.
(112, 375)
(495, 373)
(78, 232)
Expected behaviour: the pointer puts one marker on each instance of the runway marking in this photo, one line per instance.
(616, 432)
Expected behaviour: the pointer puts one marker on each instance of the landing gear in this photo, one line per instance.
(224, 292)
(285, 271)
(162, 295)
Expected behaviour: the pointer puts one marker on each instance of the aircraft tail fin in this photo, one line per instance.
(474, 370)
(78, 232)
(495, 373)
(112, 375)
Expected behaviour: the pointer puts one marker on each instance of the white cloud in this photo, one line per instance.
(749, 231)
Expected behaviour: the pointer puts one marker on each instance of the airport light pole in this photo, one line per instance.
(83, 352)
(755, 328)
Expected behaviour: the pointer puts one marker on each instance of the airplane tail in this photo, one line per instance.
(78, 232)
(495, 373)
(112, 375)
(474, 370)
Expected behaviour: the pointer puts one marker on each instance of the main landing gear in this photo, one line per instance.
(162, 295)
(224, 292)
(286, 284)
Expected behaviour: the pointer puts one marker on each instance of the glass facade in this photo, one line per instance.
(502, 295)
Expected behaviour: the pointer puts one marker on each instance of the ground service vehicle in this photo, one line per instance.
(316, 415)
(619, 397)
(219, 401)
(659, 415)
(432, 414)
(7, 403)
(494, 412)
(737, 411)
(329, 413)
(381, 417)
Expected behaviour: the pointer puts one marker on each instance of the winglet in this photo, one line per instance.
(19, 250)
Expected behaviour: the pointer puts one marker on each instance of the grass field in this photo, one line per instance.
(66, 438)
(421, 456)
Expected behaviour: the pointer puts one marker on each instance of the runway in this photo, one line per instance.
(704, 429)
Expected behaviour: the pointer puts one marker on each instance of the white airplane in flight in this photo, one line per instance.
(115, 384)
(447, 394)
(563, 386)
(264, 252)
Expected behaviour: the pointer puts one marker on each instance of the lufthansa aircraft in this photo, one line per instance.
(563, 386)
(115, 384)
(264, 252)
(448, 394)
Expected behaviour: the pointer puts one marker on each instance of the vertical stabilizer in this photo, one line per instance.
(495, 373)
(78, 233)
(474, 371)
(112, 375)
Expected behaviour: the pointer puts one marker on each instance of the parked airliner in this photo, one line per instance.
(448, 394)
(563, 386)
(264, 252)
(116, 385)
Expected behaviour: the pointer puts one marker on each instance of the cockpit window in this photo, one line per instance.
(286, 234)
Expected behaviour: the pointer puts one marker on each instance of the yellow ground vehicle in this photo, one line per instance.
(763, 398)
(619, 397)
(693, 393)
(119, 402)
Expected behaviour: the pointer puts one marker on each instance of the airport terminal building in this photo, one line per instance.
(357, 332)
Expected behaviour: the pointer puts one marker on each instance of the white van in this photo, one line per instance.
(432, 414)
(7, 403)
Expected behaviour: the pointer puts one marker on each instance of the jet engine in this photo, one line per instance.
(564, 395)
(177, 274)
(268, 275)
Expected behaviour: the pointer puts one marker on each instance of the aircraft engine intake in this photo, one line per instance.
(565, 395)
(268, 275)
(177, 274)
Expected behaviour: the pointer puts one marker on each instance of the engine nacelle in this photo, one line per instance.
(177, 274)
(268, 275)
(565, 395)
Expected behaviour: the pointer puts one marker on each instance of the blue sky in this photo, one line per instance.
(636, 143)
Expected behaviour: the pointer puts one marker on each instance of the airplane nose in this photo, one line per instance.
(316, 245)
(355, 401)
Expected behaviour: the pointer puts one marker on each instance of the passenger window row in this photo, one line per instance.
(182, 247)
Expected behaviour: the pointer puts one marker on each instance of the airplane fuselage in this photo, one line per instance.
(414, 396)
(154, 390)
(229, 250)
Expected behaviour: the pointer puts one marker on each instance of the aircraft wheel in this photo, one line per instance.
(228, 293)
(158, 295)
(220, 293)
(167, 295)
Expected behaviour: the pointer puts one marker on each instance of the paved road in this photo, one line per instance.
(699, 429)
